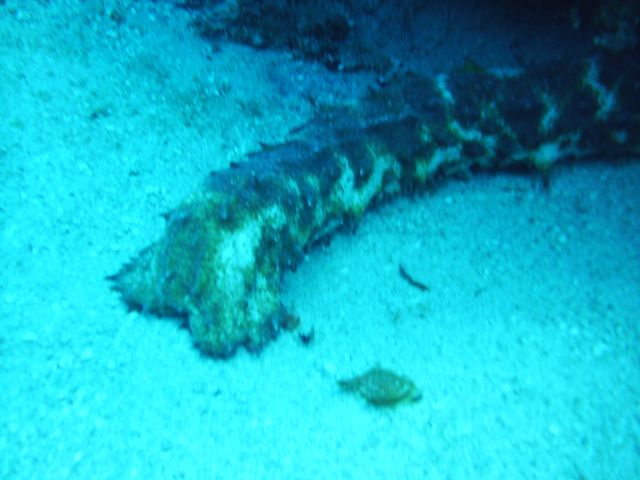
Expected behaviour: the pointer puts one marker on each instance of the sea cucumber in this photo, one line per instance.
(225, 248)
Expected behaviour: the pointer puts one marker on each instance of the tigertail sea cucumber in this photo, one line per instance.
(225, 248)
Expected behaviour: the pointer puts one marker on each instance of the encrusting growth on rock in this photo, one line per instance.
(221, 259)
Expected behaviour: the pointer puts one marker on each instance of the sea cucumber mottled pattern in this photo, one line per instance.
(221, 259)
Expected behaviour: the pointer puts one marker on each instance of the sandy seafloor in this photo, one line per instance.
(526, 348)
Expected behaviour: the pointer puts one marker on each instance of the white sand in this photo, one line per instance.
(525, 347)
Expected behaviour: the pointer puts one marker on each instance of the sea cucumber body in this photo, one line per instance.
(221, 258)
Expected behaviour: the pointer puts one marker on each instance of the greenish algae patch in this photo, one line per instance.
(382, 388)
